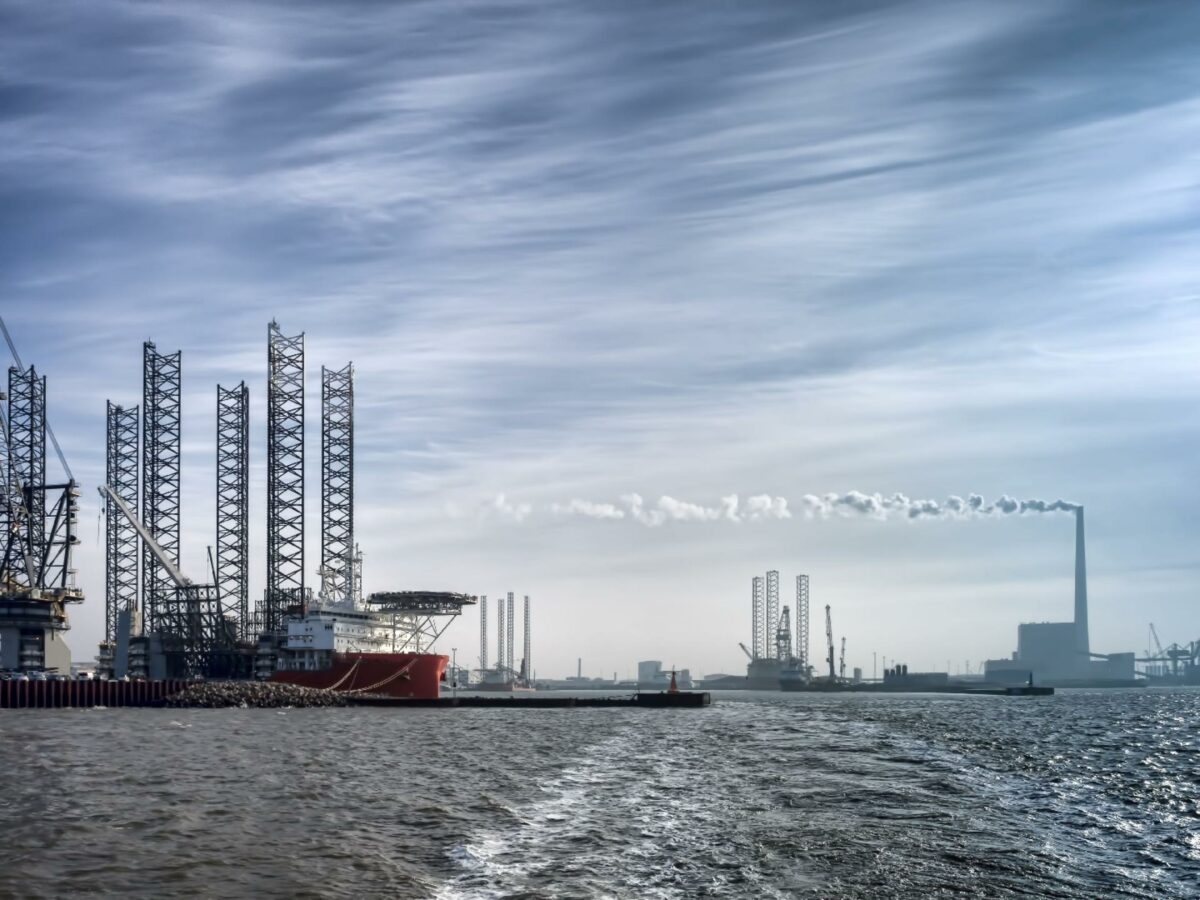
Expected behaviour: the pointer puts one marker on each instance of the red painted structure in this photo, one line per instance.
(410, 675)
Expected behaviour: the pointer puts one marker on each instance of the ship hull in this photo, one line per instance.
(416, 676)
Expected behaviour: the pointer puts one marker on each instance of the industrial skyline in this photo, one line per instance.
(973, 278)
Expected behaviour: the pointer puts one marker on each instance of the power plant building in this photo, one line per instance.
(1059, 653)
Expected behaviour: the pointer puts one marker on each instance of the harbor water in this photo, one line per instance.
(1085, 794)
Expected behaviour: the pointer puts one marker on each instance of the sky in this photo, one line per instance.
(585, 257)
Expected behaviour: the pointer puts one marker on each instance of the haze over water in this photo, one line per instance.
(1085, 794)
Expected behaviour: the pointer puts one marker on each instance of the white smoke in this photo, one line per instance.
(501, 506)
(671, 509)
(588, 509)
(763, 507)
(879, 506)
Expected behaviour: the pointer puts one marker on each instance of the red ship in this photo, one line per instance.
(412, 675)
(380, 649)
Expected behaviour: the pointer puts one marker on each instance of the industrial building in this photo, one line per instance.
(1059, 653)
(653, 677)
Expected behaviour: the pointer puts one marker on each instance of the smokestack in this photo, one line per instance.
(1081, 604)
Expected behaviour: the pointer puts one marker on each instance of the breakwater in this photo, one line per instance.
(251, 695)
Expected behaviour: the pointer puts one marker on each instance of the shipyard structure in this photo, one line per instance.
(160, 623)
(1059, 653)
(38, 518)
(506, 675)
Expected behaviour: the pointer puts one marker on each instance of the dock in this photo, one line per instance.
(72, 694)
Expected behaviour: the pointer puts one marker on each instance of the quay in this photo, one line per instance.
(179, 693)
(73, 694)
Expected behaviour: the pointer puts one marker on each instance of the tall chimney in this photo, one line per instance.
(1081, 604)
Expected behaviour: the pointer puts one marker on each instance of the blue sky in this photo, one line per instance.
(579, 252)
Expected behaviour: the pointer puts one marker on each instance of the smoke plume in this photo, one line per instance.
(878, 506)
(670, 509)
(763, 507)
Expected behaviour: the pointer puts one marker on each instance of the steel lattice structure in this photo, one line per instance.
(510, 621)
(27, 468)
(285, 476)
(161, 394)
(802, 620)
(337, 484)
(483, 635)
(233, 503)
(783, 637)
(121, 543)
(527, 665)
(771, 623)
(500, 661)
(418, 618)
(36, 576)
(758, 631)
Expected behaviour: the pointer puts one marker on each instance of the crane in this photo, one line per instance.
(829, 641)
(152, 545)
(749, 655)
(198, 635)
(842, 661)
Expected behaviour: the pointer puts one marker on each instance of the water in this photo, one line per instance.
(1086, 794)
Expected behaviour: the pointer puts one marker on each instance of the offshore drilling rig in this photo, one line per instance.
(38, 518)
(159, 623)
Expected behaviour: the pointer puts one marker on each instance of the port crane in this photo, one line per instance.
(842, 660)
(829, 641)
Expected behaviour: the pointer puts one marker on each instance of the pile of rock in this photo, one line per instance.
(251, 695)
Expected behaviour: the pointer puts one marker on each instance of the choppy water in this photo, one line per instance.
(1086, 794)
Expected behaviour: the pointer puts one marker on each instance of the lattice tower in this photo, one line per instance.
(161, 403)
(285, 475)
(772, 612)
(528, 663)
(509, 618)
(121, 542)
(500, 661)
(27, 475)
(802, 620)
(337, 482)
(483, 635)
(233, 502)
(757, 618)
